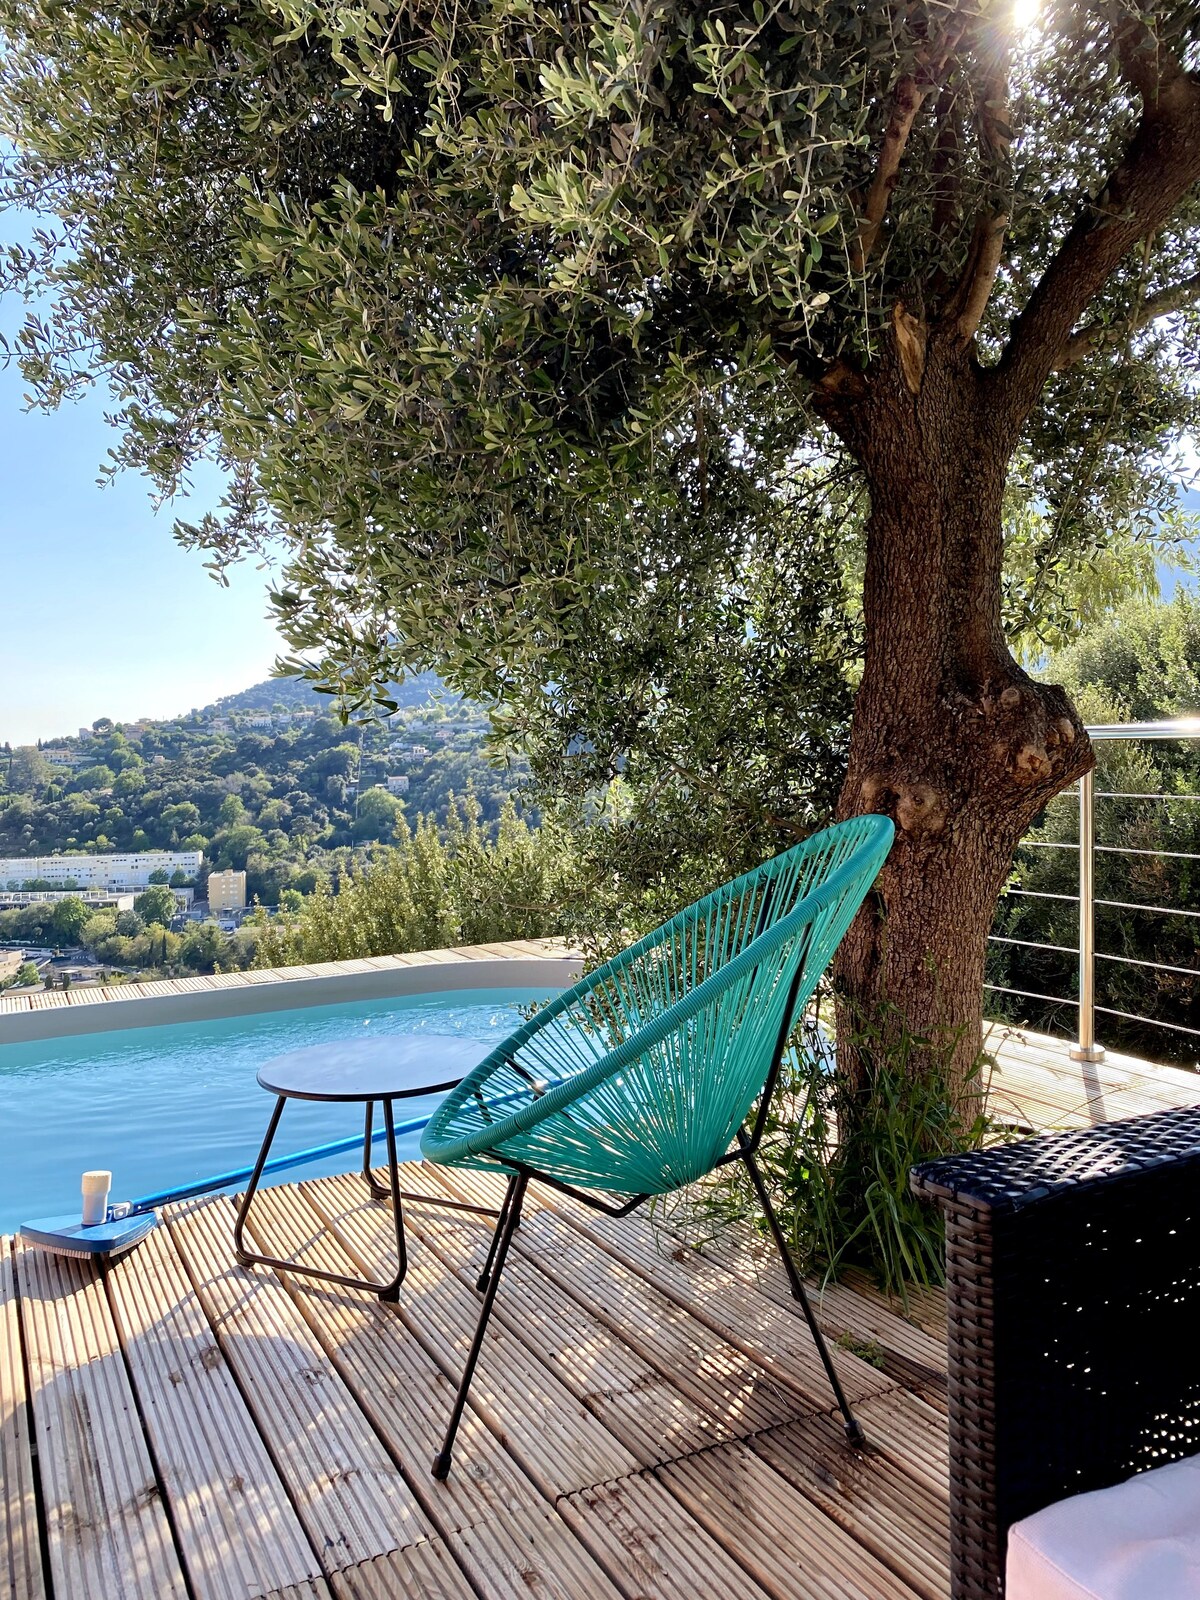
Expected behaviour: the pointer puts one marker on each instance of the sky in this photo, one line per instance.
(101, 612)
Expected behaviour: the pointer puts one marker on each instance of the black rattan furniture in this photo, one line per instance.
(395, 1067)
(1073, 1279)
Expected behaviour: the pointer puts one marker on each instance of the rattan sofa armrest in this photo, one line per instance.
(1073, 1294)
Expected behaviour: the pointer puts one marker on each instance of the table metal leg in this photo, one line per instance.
(249, 1258)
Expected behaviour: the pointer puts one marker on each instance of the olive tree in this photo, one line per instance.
(461, 294)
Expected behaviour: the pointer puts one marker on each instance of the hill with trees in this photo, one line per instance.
(269, 781)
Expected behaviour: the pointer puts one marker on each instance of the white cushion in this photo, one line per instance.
(1137, 1541)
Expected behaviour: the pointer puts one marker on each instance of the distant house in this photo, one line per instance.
(59, 757)
(226, 892)
(397, 784)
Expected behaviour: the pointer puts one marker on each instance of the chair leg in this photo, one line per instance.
(504, 1233)
(482, 1281)
(853, 1430)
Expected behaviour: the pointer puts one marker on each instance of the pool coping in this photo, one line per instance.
(516, 964)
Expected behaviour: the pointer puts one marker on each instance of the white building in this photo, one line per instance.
(397, 785)
(111, 872)
(226, 892)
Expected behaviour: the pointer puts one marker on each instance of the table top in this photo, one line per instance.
(386, 1067)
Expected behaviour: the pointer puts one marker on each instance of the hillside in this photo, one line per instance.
(267, 780)
(297, 694)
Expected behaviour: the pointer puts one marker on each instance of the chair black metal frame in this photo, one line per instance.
(748, 1143)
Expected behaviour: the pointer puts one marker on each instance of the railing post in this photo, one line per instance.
(1087, 1049)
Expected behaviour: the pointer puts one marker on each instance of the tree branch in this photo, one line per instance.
(906, 102)
(1160, 164)
(968, 302)
(1086, 341)
(983, 263)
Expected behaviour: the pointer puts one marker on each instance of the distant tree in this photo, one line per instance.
(102, 727)
(129, 924)
(101, 776)
(29, 771)
(69, 918)
(156, 904)
(25, 974)
(378, 816)
(130, 780)
(291, 900)
(159, 875)
(232, 811)
(179, 879)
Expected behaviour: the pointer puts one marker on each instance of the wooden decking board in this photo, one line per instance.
(560, 1445)
(910, 1355)
(773, 1338)
(888, 1510)
(422, 1572)
(720, 1379)
(236, 1527)
(403, 1392)
(651, 1547)
(913, 1432)
(776, 1534)
(353, 1502)
(652, 1418)
(107, 1529)
(645, 1406)
(531, 1556)
(21, 1575)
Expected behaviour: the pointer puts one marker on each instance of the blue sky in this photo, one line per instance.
(101, 613)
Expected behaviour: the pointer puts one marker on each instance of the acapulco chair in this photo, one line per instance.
(640, 1078)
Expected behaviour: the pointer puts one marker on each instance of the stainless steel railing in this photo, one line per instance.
(1086, 1047)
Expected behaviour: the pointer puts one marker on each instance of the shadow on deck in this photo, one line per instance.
(647, 1420)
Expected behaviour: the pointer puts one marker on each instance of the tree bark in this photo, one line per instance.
(950, 737)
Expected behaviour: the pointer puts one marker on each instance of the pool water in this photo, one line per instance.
(170, 1105)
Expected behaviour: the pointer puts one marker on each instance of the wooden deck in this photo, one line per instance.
(646, 1421)
(649, 1419)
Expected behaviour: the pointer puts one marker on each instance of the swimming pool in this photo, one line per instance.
(163, 1106)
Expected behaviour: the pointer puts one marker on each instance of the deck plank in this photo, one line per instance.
(237, 1529)
(106, 1525)
(787, 1544)
(21, 1575)
(888, 1510)
(560, 1445)
(909, 1354)
(718, 1377)
(424, 1571)
(651, 1547)
(351, 1499)
(642, 1405)
(403, 1392)
(775, 1341)
(532, 1556)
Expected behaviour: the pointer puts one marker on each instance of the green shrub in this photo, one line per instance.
(431, 890)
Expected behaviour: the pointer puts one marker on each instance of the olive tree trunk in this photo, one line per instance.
(950, 737)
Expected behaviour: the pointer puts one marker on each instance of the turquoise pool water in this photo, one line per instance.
(166, 1106)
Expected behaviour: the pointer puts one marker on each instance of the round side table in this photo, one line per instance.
(383, 1070)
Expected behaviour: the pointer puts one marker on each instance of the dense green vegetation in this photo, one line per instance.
(1143, 665)
(268, 781)
(463, 884)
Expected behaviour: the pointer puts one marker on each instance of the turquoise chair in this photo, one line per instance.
(640, 1079)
